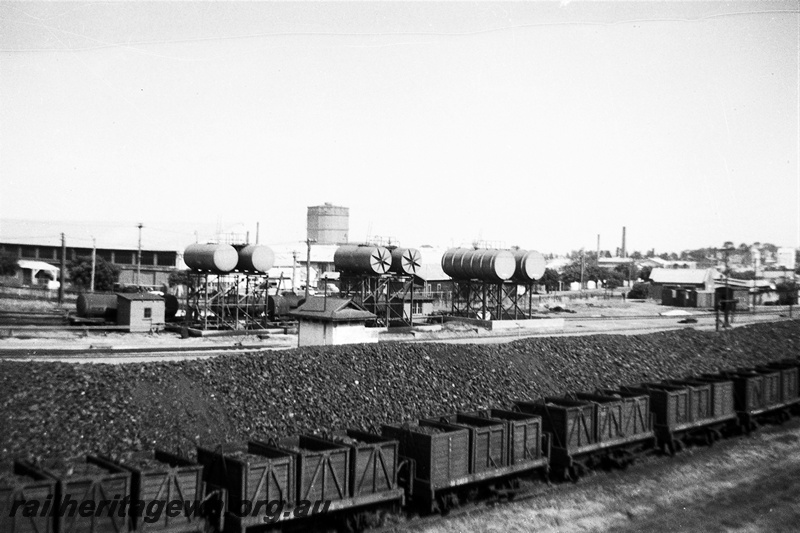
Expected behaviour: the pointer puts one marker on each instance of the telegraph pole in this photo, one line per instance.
(63, 270)
(583, 267)
(294, 272)
(139, 257)
(308, 264)
(94, 263)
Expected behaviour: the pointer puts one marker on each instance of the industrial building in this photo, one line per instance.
(156, 265)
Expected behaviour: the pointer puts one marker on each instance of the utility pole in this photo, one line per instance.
(94, 263)
(139, 257)
(308, 264)
(294, 272)
(63, 270)
(583, 267)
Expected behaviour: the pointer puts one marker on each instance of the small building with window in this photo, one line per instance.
(329, 321)
(142, 312)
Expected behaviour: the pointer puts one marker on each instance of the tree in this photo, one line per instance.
(8, 264)
(180, 277)
(105, 274)
(549, 279)
(644, 273)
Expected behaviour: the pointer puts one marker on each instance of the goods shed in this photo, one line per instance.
(666, 282)
(328, 321)
(142, 312)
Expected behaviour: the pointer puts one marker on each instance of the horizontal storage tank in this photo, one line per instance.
(93, 305)
(355, 259)
(214, 258)
(281, 305)
(492, 266)
(530, 266)
(255, 258)
(406, 261)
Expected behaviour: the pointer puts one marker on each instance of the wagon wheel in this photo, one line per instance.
(447, 502)
(679, 445)
(472, 494)
(573, 474)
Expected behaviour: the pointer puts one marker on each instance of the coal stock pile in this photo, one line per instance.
(67, 410)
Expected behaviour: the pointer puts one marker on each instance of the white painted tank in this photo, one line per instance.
(355, 259)
(255, 258)
(493, 266)
(530, 266)
(406, 261)
(213, 258)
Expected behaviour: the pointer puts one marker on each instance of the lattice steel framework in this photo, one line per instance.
(230, 301)
(385, 296)
(492, 301)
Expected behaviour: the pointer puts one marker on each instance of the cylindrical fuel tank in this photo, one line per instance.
(406, 261)
(485, 265)
(214, 258)
(93, 305)
(355, 259)
(530, 266)
(255, 258)
(281, 305)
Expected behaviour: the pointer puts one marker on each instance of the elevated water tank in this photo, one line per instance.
(530, 266)
(355, 259)
(406, 261)
(255, 258)
(94, 305)
(486, 265)
(213, 258)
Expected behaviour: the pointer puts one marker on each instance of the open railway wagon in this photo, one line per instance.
(346, 478)
(165, 477)
(593, 429)
(688, 410)
(87, 486)
(464, 456)
(764, 393)
(16, 486)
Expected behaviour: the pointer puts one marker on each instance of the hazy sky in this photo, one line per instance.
(535, 124)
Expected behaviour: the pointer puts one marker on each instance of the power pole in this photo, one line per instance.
(294, 272)
(308, 264)
(139, 257)
(63, 270)
(583, 266)
(94, 263)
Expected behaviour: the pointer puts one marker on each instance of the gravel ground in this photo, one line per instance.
(59, 409)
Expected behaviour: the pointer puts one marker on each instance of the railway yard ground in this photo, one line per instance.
(227, 391)
(594, 315)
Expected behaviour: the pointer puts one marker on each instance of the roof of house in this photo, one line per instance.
(37, 265)
(139, 296)
(332, 310)
(683, 276)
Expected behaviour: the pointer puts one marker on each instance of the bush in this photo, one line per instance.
(787, 293)
(640, 291)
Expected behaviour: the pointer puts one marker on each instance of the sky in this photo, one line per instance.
(532, 124)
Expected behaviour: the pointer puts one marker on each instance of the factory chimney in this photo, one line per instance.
(624, 253)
